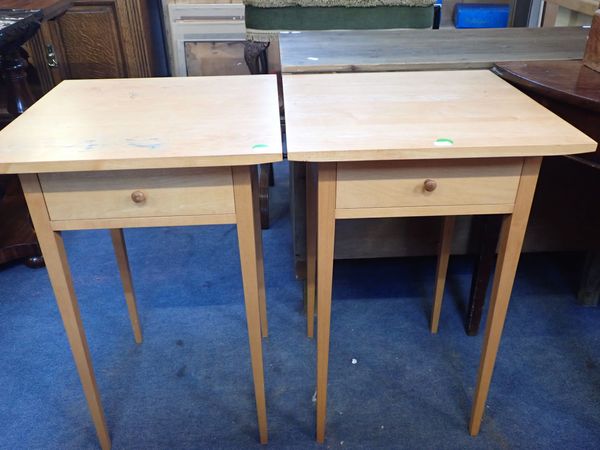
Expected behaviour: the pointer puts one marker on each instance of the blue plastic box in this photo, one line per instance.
(481, 15)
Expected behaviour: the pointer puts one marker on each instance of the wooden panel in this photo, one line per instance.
(146, 123)
(105, 195)
(37, 52)
(136, 37)
(419, 115)
(381, 50)
(215, 58)
(91, 41)
(402, 183)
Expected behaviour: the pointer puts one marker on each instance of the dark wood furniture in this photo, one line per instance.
(572, 91)
(17, 238)
(591, 58)
(95, 39)
(76, 39)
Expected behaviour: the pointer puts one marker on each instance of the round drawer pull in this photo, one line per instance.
(138, 197)
(430, 185)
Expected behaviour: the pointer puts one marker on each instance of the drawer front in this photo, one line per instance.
(393, 184)
(139, 193)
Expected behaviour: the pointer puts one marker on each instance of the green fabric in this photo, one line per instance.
(338, 18)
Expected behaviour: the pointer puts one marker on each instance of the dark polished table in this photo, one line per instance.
(572, 91)
(568, 88)
(17, 238)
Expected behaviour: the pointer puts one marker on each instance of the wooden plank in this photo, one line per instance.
(146, 123)
(110, 194)
(406, 183)
(404, 115)
(397, 50)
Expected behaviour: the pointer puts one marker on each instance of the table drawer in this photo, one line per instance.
(139, 193)
(393, 184)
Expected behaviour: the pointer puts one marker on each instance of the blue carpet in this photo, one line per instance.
(189, 384)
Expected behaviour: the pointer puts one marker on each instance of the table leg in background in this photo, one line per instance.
(248, 229)
(489, 228)
(311, 248)
(55, 257)
(511, 241)
(262, 296)
(442, 269)
(118, 240)
(326, 192)
(589, 287)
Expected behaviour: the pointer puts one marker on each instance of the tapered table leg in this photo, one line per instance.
(326, 191)
(442, 269)
(55, 257)
(248, 236)
(123, 262)
(511, 240)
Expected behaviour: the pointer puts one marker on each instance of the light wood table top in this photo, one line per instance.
(394, 50)
(88, 125)
(404, 115)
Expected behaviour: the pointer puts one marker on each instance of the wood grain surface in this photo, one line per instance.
(388, 184)
(95, 125)
(108, 194)
(393, 50)
(404, 115)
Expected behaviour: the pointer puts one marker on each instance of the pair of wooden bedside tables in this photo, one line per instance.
(109, 154)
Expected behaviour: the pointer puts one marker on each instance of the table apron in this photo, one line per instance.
(426, 188)
(139, 198)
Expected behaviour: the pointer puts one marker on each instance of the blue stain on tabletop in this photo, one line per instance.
(90, 144)
(150, 143)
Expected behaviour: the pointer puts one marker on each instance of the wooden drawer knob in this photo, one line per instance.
(430, 185)
(138, 197)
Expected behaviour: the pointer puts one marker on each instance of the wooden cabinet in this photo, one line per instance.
(100, 39)
(90, 39)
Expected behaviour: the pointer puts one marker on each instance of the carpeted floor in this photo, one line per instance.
(189, 384)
